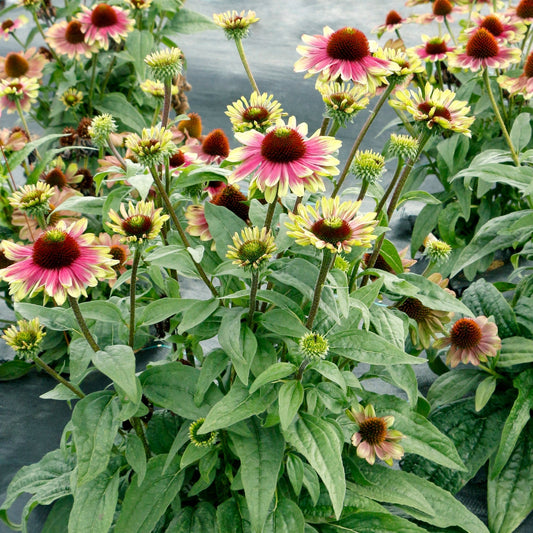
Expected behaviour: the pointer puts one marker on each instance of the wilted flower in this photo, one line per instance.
(27, 64)
(374, 436)
(191, 126)
(471, 340)
(71, 98)
(368, 165)
(201, 440)
(21, 90)
(343, 101)
(234, 24)
(332, 225)
(139, 223)
(67, 38)
(62, 261)
(260, 114)
(153, 146)
(313, 346)
(251, 248)
(26, 340)
(165, 64)
(101, 128)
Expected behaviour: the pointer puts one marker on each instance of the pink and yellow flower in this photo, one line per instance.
(12, 140)
(23, 90)
(441, 12)
(285, 158)
(483, 51)
(62, 261)
(29, 64)
(502, 27)
(197, 223)
(523, 11)
(260, 113)
(471, 340)
(434, 48)
(117, 250)
(214, 147)
(104, 22)
(523, 84)
(393, 21)
(345, 53)
(374, 436)
(9, 26)
(68, 38)
(332, 225)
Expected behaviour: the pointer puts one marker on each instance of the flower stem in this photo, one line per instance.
(83, 325)
(303, 366)
(390, 188)
(253, 297)
(108, 74)
(505, 133)
(91, 86)
(137, 426)
(447, 24)
(179, 228)
(270, 211)
(40, 29)
(242, 55)
(324, 126)
(166, 103)
(134, 267)
(327, 259)
(48, 369)
(116, 153)
(373, 114)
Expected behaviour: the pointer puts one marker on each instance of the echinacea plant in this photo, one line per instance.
(261, 266)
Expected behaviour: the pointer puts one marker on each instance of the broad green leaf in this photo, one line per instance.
(286, 518)
(187, 21)
(80, 356)
(88, 205)
(369, 293)
(175, 257)
(223, 224)
(484, 391)
(182, 437)
(57, 519)
(367, 347)
(260, 453)
(229, 518)
(388, 324)
(95, 423)
(196, 313)
(136, 456)
(139, 44)
(56, 318)
(284, 323)
(94, 504)
(311, 483)
(319, 441)
(173, 386)
(372, 522)
(518, 417)
(274, 373)
(199, 519)
(509, 494)
(295, 470)
(290, 397)
(421, 436)
(144, 503)
(339, 282)
(59, 392)
(117, 105)
(162, 309)
(14, 369)
(18, 157)
(330, 371)
(193, 454)
(515, 351)
(425, 222)
(390, 254)
(237, 405)
(401, 376)
(454, 385)
(213, 365)
(521, 131)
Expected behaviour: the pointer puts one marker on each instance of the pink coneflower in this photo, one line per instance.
(62, 177)
(503, 28)
(23, 90)
(393, 21)
(29, 64)
(67, 38)
(214, 147)
(232, 198)
(471, 340)
(285, 158)
(8, 26)
(180, 160)
(345, 53)
(12, 140)
(523, 84)
(483, 51)
(213, 187)
(435, 48)
(441, 12)
(523, 11)
(103, 22)
(62, 261)
(118, 251)
(332, 225)
(197, 223)
(374, 436)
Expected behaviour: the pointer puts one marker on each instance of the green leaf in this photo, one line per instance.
(515, 351)
(229, 518)
(139, 44)
(56, 318)
(57, 519)
(18, 157)
(319, 441)
(453, 385)
(162, 309)
(311, 483)
(94, 504)
(330, 371)
(136, 456)
(274, 373)
(367, 347)
(174, 257)
(261, 454)
(213, 365)
(287, 517)
(518, 417)
(509, 494)
(485, 299)
(284, 323)
(484, 391)
(14, 369)
(290, 397)
(369, 293)
(223, 224)
(80, 356)
(88, 205)
(123, 111)
(173, 386)
(390, 254)
(372, 522)
(144, 503)
(425, 222)
(196, 313)
(95, 423)
(295, 470)
(237, 405)
(199, 519)
(419, 196)
(401, 376)
(521, 131)
(187, 21)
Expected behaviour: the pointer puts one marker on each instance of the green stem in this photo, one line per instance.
(116, 153)
(362, 192)
(270, 211)
(253, 297)
(447, 24)
(166, 103)
(40, 363)
(334, 128)
(505, 133)
(303, 366)
(108, 74)
(327, 259)
(133, 284)
(242, 55)
(179, 228)
(40, 30)
(324, 126)
(390, 188)
(91, 86)
(137, 426)
(373, 114)
(83, 325)
(156, 113)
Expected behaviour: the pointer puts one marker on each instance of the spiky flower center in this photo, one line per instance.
(493, 24)
(393, 17)
(255, 114)
(55, 249)
(177, 159)
(83, 128)
(332, 230)
(525, 9)
(56, 178)
(482, 44)
(252, 251)
(103, 16)
(16, 65)
(415, 309)
(373, 430)
(118, 253)
(201, 440)
(436, 46)
(234, 200)
(283, 145)
(442, 8)
(465, 333)
(216, 144)
(348, 44)
(87, 181)
(73, 33)
(137, 225)
(314, 345)
(439, 111)
(341, 100)
(7, 24)
(528, 67)
(193, 126)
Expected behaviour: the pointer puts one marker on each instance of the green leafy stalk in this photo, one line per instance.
(134, 267)
(83, 325)
(242, 55)
(253, 297)
(166, 103)
(327, 259)
(48, 369)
